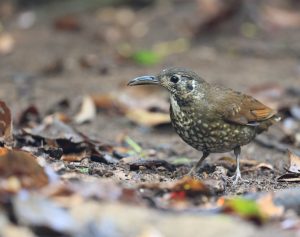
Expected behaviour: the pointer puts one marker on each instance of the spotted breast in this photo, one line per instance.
(206, 133)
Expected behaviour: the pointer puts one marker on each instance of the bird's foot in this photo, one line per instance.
(238, 177)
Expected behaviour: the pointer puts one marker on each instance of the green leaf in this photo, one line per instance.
(244, 208)
(181, 161)
(83, 170)
(146, 57)
(136, 147)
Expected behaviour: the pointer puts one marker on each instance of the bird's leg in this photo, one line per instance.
(195, 168)
(237, 176)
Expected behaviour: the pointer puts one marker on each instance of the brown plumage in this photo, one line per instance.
(210, 118)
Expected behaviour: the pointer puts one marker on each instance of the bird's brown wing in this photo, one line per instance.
(245, 110)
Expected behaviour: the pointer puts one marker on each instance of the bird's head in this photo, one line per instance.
(178, 81)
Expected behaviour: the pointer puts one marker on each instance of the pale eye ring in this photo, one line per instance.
(174, 79)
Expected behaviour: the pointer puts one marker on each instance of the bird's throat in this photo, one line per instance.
(179, 104)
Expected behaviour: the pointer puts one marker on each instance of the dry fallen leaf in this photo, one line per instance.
(142, 106)
(264, 166)
(87, 111)
(53, 129)
(289, 177)
(75, 157)
(61, 141)
(293, 174)
(106, 102)
(147, 118)
(20, 169)
(294, 162)
(190, 185)
(148, 98)
(268, 208)
(260, 166)
(5, 123)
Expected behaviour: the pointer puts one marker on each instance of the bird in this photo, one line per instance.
(208, 117)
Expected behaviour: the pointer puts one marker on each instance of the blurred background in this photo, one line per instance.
(53, 51)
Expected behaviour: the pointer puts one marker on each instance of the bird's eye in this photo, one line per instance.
(174, 79)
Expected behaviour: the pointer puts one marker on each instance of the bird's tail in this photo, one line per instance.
(264, 125)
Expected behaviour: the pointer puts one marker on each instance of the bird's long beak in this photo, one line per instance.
(144, 80)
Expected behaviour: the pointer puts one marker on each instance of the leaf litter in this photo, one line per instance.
(139, 105)
(19, 169)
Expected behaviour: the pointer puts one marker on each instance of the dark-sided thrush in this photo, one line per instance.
(210, 118)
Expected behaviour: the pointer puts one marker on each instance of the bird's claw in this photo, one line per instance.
(236, 178)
